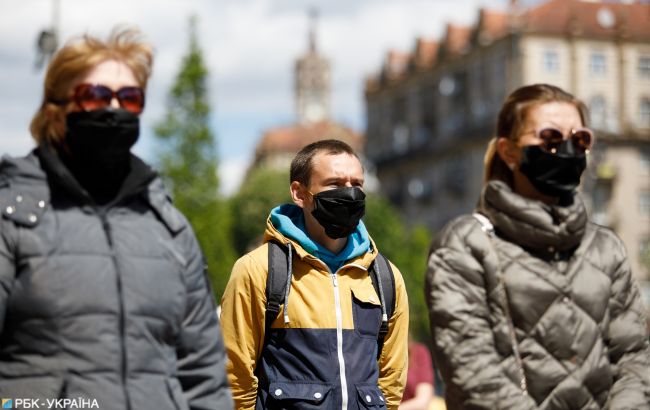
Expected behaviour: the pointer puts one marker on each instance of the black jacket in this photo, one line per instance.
(103, 303)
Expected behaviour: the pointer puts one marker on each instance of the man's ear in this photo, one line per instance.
(509, 152)
(298, 193)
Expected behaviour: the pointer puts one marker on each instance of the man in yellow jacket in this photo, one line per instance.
(322, 348)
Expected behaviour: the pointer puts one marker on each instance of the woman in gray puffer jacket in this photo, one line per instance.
(531, 305)
(104, 301)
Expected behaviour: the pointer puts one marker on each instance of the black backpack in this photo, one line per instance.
(381, 274)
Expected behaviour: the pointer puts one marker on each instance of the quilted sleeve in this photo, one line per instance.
(463, 342)
(201, 353)
(627, 339)
(7, 271)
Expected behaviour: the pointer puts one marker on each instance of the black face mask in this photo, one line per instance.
(556, 175)
(339, 210)
(102, 139)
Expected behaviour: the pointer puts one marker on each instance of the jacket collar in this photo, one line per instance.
(25, 170)
(273, 234)
(531, 223)
(136, 182)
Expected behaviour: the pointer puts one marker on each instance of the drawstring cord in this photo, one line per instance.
(288, 286)
(384, 315)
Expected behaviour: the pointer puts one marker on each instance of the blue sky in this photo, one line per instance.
(250, 47)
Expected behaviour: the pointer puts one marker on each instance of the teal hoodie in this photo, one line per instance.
(290, 221)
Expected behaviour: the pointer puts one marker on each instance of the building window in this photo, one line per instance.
(644, 66)
(644, 113)
(498, 78)
(645, 161)
(456, 176)
(597, 64)
(600, 199)
(598, 111)
(551, 61)
(644, 203)
(419, 189)
(400, 138)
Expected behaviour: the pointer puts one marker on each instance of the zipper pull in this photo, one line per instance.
(336, 281)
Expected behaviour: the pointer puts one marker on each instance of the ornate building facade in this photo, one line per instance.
(431, 111)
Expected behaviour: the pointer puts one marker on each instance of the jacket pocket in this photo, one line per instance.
(176, 394)
(39, 388)
(299, 396)
(366, 310)
(369, 396)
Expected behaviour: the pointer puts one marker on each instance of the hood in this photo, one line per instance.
(286, 224)
(23, 169)
(41, 169)
(136, 181)
(532, 223)
(24, 190)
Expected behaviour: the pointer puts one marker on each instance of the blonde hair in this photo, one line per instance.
(74, 60)
(511, 118)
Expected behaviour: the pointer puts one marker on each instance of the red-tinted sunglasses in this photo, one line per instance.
(91, 97)
(581, 138)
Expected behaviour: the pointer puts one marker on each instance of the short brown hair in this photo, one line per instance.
(301, 165)
(511, 118)
(74, 60)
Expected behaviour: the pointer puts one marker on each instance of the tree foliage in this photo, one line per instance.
(188, 159)
(407, 247)
(229, 228)
(262, 190)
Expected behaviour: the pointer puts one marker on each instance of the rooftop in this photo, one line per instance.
(580, 18)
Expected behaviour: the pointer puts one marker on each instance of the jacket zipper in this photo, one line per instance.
(122, 320)
(339, 342)
(339, 334)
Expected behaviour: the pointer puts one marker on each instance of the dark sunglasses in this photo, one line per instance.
(581, 138)
(91, 97)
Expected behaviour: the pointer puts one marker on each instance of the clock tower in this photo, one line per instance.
(312, 81)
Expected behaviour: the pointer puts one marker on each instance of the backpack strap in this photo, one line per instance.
(383, 280)
(276, 282)
(381, 274)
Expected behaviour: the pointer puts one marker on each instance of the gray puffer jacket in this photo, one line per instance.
(103, 303)
(577, 313)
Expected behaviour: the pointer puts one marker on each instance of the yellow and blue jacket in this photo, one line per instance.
(325, 356)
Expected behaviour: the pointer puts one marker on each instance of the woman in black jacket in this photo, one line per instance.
(531, 305)
(104, 301)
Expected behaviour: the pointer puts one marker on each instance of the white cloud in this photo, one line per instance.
(250, 47)
(231, 173)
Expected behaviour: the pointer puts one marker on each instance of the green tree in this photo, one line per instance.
(407, 247)
(263, 189)
(188, 160)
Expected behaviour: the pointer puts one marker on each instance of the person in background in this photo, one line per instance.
(324, 348)
(531, 305)
(418, 391)
(103, 293)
